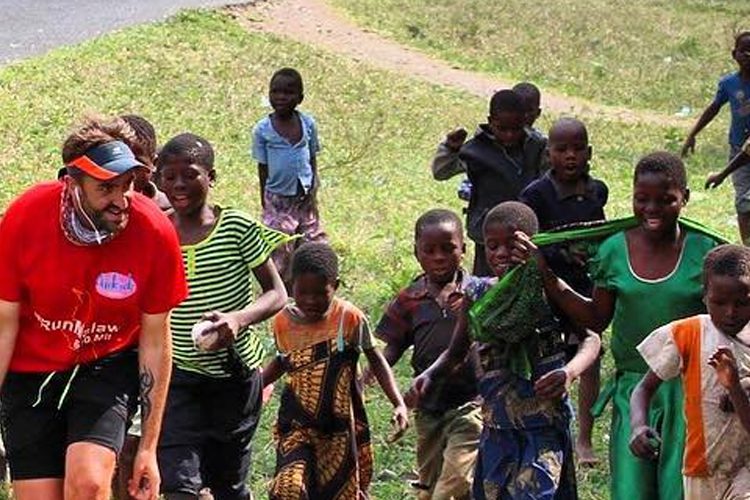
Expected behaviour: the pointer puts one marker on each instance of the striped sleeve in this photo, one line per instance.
(258, 241)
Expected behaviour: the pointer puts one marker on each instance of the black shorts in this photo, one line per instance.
(206, 433)
(40, 418)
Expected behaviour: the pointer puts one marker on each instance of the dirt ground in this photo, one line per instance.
(316, 23)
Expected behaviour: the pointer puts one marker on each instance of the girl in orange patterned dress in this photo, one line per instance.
(323, 440)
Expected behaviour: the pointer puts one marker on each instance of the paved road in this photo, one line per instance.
(30, 27)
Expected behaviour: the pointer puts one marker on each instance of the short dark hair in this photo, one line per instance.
(529, 93)
(727, 260)
(663, 163)
(506, 101)
(739, 36)
(145, 136)
(565, 121)
(435, 217)
(293, 75)
(191, 147)
(512, 214)
(316, 258)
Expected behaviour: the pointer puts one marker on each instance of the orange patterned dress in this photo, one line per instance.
(323, 439)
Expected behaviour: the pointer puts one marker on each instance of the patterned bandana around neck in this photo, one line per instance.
(77, 231)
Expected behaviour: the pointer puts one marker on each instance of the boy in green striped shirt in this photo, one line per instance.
(214, 399)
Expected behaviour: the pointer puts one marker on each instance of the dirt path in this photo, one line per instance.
(314, 22)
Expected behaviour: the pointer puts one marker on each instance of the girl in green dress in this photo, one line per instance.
(644, 277)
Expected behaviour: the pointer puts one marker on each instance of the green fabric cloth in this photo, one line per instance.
(642, 305)
(501, 316)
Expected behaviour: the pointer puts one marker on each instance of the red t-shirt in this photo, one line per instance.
(80, 303)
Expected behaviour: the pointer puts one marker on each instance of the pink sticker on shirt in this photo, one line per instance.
(115, 285)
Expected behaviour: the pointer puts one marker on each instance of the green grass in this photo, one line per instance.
(649, 54)
(202, 72)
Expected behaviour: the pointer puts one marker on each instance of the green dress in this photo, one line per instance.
(641, 306)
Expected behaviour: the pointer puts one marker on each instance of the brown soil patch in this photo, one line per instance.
(316, 23)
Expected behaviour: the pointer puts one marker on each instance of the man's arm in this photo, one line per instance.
(154, 371)
(9, 315)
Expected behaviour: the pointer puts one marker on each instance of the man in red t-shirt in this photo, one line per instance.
(90, 271)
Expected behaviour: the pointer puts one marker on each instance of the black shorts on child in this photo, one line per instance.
(207, 431)
(43, 413)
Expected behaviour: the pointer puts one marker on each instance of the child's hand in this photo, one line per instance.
(225, 326)
(267, 394)
(726, 367)
(419, 387)
(553, 385)
(399, 422)
(523, 249)
(645, 442)
(455, 139)
(688, 147)
(714, 180)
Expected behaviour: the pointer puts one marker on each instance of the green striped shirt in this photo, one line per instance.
(218, 273)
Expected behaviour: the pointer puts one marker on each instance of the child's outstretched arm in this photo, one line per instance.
(644, 440)
(386, 380)
(392, 353)
(726, 371)
(270, 301)
(714, 180)
(446, 162)
(593, 313)
(708, 114)
(554, 384)
(273, 371)
(456, 353)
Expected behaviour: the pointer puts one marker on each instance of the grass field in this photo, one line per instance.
(651, 54)
(202, 72)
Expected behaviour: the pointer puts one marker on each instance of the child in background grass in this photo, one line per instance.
(214, 401)
(322, 435)
(735, 89)
(643, 278)
(564, 195)
(531, 97)
(500, 160)
(286, 145)
(423, 315)
(717, 453)
(525, 449)
(532, 100)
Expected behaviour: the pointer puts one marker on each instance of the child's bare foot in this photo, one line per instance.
(586, 455)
